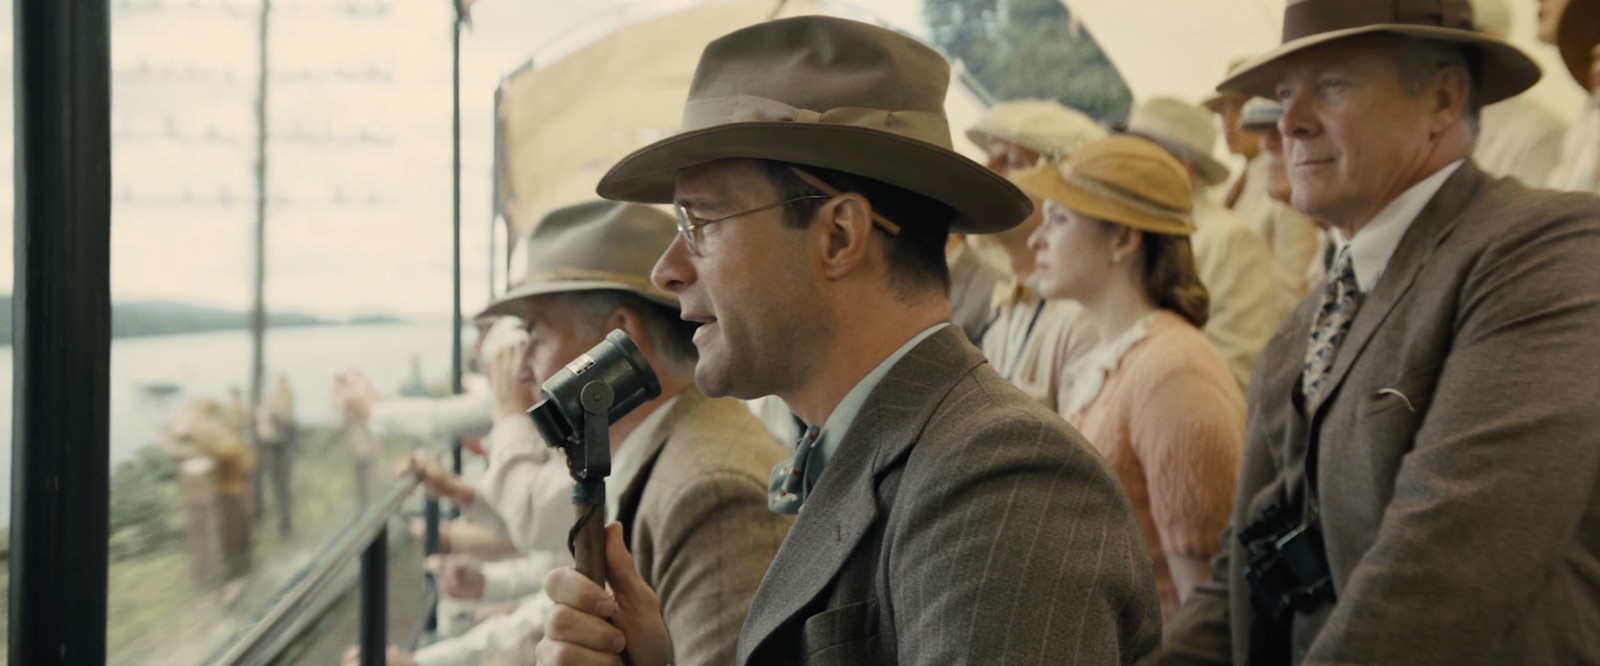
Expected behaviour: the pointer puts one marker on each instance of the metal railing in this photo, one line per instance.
(263, 641)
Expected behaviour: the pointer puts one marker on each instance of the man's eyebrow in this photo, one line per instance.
(694, 202)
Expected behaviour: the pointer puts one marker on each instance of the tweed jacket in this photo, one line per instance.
(958, 522)
(1453, 455)
(698, 525)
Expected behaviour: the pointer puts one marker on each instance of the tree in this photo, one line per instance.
(1030, 49)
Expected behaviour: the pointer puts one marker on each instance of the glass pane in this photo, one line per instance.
(357, 276)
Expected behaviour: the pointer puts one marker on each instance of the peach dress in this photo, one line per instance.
(1163, 408)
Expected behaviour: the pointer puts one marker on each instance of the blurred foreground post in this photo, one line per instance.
(61, 314)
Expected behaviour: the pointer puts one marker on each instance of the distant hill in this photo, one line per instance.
(150, 318)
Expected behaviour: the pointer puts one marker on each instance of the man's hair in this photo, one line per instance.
(672, 337)
(1420, 59)
(915, 256)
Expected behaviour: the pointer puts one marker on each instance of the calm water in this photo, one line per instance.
(206, 364)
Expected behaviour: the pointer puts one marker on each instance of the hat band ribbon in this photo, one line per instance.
(714, 111)
(1124, 197)
(1304, 18)
(633, 282)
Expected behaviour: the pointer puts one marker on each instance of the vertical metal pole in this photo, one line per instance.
(455, 208)
(495, 217)
(61, 342)
(374, 600)
(258, 304)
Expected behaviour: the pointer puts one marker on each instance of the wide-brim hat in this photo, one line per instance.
(830, 93)
(597, 245)
(1121, 179)
(1214, 103)
(1576, 35)
(1182, 128)
(1502, 70)
(1043, 126)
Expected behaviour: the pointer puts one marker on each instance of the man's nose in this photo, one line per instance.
(673, 271)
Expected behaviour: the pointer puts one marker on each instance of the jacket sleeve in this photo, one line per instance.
(1246, 308)
(1016, 545)
(524, 490)
(709, 553)
(1503, 468)
(521, 576)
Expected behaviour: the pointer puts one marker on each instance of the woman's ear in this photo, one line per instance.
(1125, 242)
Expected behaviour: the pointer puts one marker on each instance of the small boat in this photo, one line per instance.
(158, 389)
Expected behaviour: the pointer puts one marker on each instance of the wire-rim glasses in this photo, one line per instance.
(689, 227)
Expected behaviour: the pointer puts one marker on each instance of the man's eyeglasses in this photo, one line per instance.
(689, 227)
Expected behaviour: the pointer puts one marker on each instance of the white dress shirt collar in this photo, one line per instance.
(1372, 246)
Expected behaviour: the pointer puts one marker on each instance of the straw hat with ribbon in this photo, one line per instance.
(1120, 179)
(593, 246)
(830, 93)
(1503, 70)
(1183, 128)
(1576, 36)
(1042, 126)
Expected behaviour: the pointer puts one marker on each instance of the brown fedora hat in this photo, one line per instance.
(1503, 69)
(830, 93)
(1576, 35)
(596, 245)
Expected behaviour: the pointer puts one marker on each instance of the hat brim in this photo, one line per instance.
(1576, 37)
(1216, 102)
(510, 304)
(983, 201)
(1505, 70)
(1046, 184)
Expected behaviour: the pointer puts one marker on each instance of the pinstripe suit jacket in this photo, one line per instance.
(959, 522)
(698, 525)
(1457, 451)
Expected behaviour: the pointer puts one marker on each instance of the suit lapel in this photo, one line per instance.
(628, 501)
(1430, 228)
(843, 506)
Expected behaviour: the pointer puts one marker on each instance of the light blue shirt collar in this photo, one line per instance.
(844, 415)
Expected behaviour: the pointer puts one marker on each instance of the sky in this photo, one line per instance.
(359, 148)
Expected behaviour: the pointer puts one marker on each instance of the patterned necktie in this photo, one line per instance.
(1340, 298)
(787, 490)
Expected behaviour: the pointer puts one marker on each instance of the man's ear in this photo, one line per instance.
(846, 238)
(1448, 91)
(631, 323)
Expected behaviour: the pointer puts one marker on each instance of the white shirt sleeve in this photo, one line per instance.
(524, 492)
(465, 415)
(521, 576)
(489, 638)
